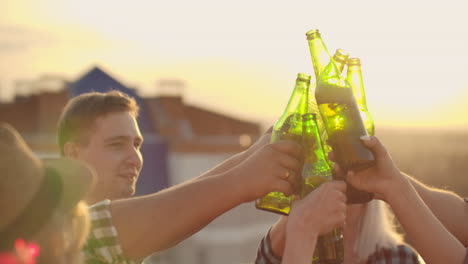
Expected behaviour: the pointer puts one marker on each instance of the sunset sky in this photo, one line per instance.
(241, 57)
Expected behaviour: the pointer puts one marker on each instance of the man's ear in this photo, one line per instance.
(71, 149)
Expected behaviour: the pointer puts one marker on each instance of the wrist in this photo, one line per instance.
(234, 188)
(392, 187)
(301, 232)
(277, 236)
(300, 243)
(398, 190)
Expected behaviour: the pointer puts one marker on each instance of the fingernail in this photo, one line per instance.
(365, 138)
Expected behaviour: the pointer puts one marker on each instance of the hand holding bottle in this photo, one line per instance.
(318, 213)
(272, 167)
(383, 179)
(321, 210)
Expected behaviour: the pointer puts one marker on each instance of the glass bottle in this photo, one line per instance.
(340, 57)
(318, 51)
(316, 171)
(288, 126)
(344, 126)
(354, 78)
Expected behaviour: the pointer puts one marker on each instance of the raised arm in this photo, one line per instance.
(156, 222)
(447, 206)
(430, 238)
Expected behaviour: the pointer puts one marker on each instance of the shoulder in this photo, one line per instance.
(103, 205)
(101, 220)
(395, 255)
(102, 245)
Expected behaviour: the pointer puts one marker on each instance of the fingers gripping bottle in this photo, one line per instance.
(329, 248)
(288, 126)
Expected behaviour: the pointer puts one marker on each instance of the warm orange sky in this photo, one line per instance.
(241, 57)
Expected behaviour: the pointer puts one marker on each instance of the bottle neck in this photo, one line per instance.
(319, 55)
(291, 119)
(313, 148)
(354, 78)
(340, 65)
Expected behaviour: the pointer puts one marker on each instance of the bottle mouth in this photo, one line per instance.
(354, 61)
(312, 34)
(341, 56)
(303, 77)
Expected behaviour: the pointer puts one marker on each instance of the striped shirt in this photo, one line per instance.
(103, 246)
(401, 254)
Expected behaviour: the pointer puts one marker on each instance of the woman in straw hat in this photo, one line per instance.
(43, 213)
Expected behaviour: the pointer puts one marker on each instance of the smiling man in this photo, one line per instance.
(101, 129)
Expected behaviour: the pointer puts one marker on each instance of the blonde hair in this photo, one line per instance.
(79, 228)
(377, 230)
(62, 239)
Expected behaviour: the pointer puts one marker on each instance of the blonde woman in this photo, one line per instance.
(43, 218)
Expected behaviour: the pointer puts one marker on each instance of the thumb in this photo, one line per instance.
(374, 145)
(354, 180)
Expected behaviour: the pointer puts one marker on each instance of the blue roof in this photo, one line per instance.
(96, 80)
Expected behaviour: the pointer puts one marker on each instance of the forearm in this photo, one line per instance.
(159, 221)
(428, 235)
(448, 207)
(278, 236)
(299, 246)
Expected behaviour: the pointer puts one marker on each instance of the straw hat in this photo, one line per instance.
(31, 190)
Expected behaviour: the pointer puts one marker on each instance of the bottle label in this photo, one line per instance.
(344, 126)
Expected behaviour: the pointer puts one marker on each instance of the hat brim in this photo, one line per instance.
(77, 180)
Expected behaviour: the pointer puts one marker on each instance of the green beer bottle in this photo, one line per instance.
(288, 126)
(354, 78)
(340, 58)
(316, 171)
(344, 126)
(320, 57)
(318, 51)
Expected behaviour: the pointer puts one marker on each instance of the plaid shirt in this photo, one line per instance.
(398, 255)
(103, 246)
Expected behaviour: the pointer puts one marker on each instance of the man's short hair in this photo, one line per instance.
(79, 114)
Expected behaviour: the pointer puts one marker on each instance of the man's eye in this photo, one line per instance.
(116, 144)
